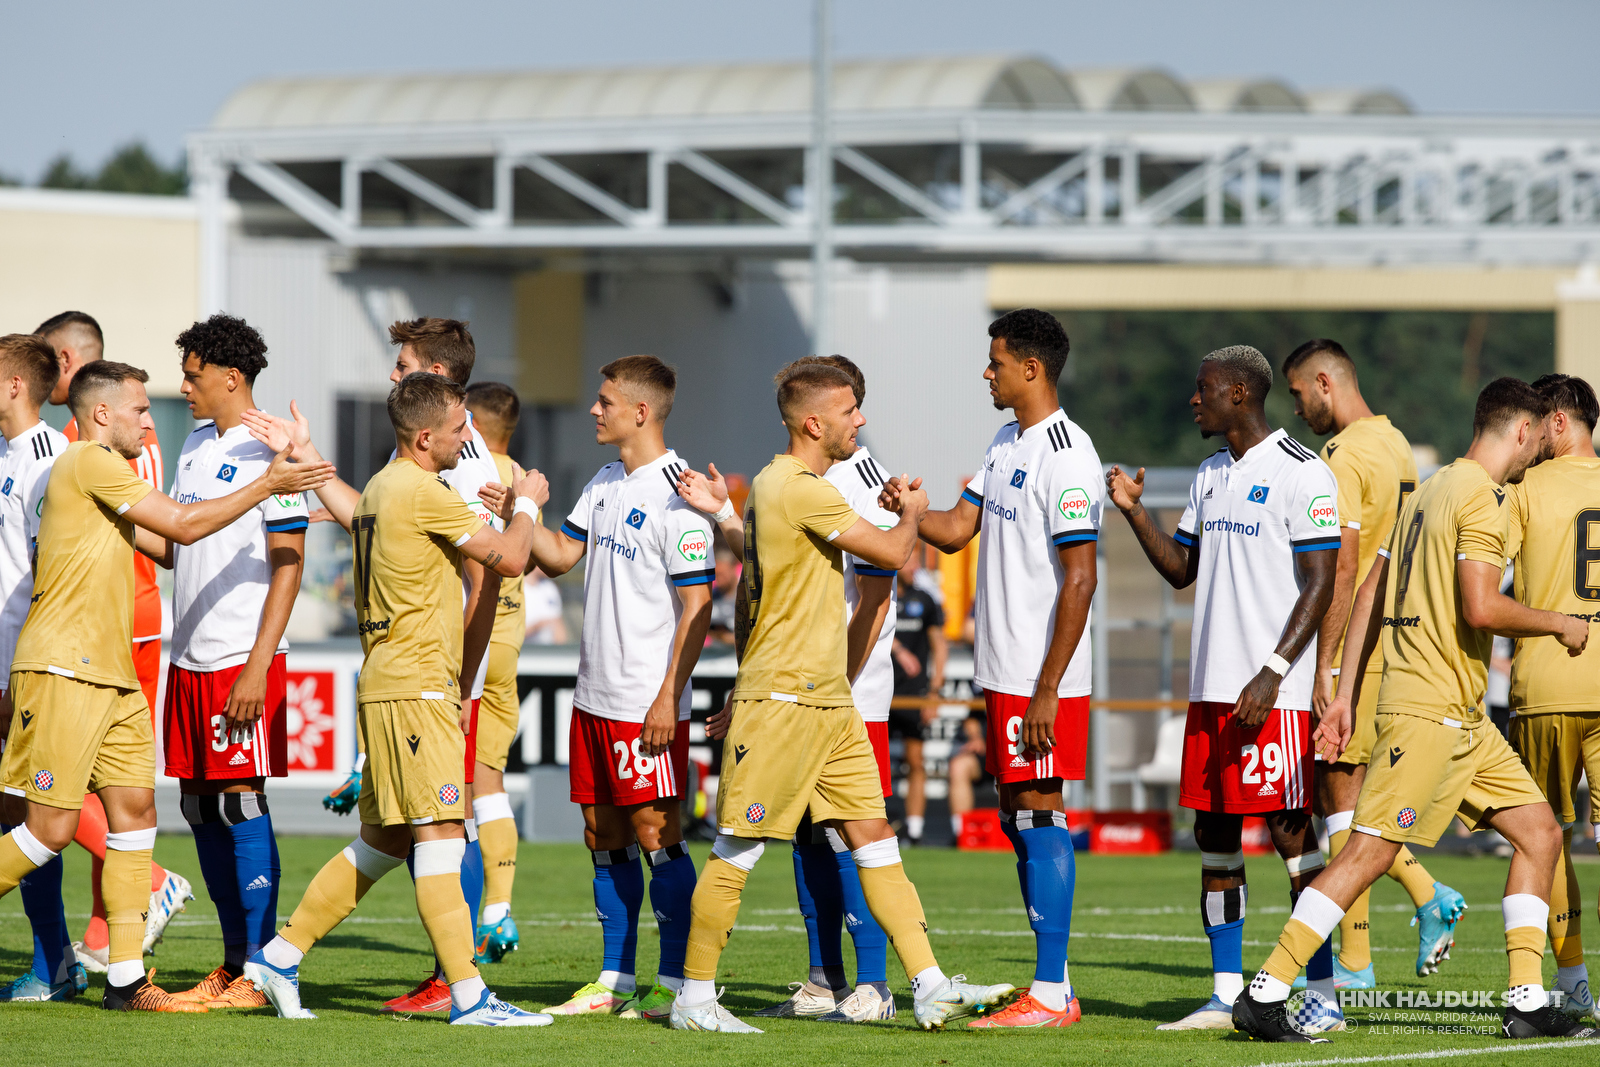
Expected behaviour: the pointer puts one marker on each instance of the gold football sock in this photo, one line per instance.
(125, 887)
(448, 920)
(1411, 874)
(1525, 954)
(1355, 937)
(498, 839)
(713, 910)
(332, 895)
(894, 903)
(1295, 946)
(1566, 909)
(14, 865)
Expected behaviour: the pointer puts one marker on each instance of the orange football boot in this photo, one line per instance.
(1025, 1012)
(432, 994)
(241, 993)
(148, 997)
(208, 988)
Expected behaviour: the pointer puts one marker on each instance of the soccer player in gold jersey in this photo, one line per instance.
(1554, 541)
(1376, 472)
(411, 531)
(81, 723)
(1437, 753)
(795, 740)
(495, 409)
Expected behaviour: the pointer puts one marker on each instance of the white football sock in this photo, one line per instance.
(914, 826)
(1267, 989)
(1324, 986)
(926, 982)
(1226, 986)
(280, 953)
(1052, 995)
(955, 826)
(493, 913)
(673, 984)
(1527, 997)
(125, 972)
(618, 982)
(1568, 978)
(696, 991)
(467, 992)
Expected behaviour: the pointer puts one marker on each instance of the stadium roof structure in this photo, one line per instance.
(977, 157)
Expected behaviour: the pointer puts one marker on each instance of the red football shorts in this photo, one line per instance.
(878, 734)
(1245, 770)
(472, 746)
(1005, 758)
(147, 666)
(608, 766)
(199, 743)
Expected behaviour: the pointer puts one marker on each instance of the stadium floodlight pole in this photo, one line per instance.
(822, 179)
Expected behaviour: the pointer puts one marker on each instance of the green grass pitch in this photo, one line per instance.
(1138, 958)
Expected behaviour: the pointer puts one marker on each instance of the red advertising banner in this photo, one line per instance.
(311, 721)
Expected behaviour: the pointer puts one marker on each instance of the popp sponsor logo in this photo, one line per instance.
(693, 546)
(1074, 504)
(1323, 513)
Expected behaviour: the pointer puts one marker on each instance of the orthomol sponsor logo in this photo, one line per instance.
(1247, 529)
(694, 546)
(1009, 514)
(1323, 513)
(1073, 504)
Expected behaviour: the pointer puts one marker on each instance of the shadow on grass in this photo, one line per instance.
(1175, 970)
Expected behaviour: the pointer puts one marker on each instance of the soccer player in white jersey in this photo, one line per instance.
(225, 726)
(1259, 541)
(1035, 507)
(825, 877)
(437, 346)
(28, 372)
(647, 606)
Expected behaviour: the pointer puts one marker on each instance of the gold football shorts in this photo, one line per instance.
(415, 754)
(70, 737)
(499, 711)
(1423, 773)
(780, 758)
(1364, 727)
(1557, 748)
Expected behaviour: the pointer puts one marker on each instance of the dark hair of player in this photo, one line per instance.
(225, 341)
(92, 382)
(1574, 396)
(1033, 334)
(71, 318)
(495, 405)
(801, 381)
(645, 378)
(1504, 401)
(30, 357)
(843, 364)
(1246, 366)
(446, 342)
(421, 400)
(1320, 346)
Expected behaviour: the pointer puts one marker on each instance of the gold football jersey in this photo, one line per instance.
(1373, 463)
(81, 621)
(1553, 536)
(407, 532)
(794, 585)
(510, 627)
(1436, 665)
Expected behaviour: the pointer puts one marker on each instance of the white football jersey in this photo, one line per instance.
(1251, 516)
(644, 543)
(1039, 491)
(24, 472)
(860, 479)
(474, 469)
(219, 583)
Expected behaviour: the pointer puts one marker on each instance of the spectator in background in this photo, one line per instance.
(966, 769)
(1497, 694)
(724, 588)
(919, 654)
(542, 602)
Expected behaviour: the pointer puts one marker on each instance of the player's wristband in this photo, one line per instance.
(1277, 665)
(524, 506)
(724, 513)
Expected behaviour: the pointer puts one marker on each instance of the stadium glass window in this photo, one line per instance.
(365, 438)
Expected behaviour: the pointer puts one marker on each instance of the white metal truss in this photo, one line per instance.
(1232, 188)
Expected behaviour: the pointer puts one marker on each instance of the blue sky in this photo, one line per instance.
(83, 76)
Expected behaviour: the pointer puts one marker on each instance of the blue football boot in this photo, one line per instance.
(342, 801)
(1436, 927)
(497, 940)
(31, 989)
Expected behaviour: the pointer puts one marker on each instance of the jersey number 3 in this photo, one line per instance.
(1586, 556)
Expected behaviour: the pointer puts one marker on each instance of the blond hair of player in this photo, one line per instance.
(410, 533)
(1440, 754)
(1554, 541)
(1376, 472)
(795, 739)
(81, 723)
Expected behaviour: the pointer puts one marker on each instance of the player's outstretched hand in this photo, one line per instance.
(1575, 637)
(534, 486)
(717, 725)
(1258, 698)
(498, 498)
(1123, 490)
(1332, 734)
(912, 496)
(320, 515)
(703, 492)
(279, 433)
(889, 497)
(285, 476)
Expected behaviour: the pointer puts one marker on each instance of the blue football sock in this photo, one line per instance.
(472, 878)
(817, 872)
(1222, 914)
(671, 889)
(41, 902)
(1021, 849)
(808, 909)
(1051, 871)
(213, 845)
(618, 893)
(255, 857)
(872, 944)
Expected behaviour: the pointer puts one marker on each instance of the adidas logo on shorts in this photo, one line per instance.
(261, 882)
(239, 759)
